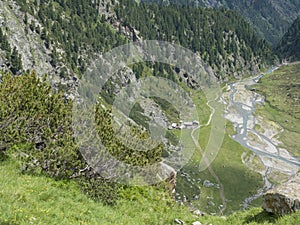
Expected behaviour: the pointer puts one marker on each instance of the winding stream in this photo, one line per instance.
(240, 111)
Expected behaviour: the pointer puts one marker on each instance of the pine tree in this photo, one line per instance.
(16, 61)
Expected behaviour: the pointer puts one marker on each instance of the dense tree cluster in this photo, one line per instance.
(37, 123)
(117, 146)
(74, 27)
(289, 46)
(270, 18)
(220, 36)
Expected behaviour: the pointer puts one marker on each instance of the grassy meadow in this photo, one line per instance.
(239, 182)
(282, 91)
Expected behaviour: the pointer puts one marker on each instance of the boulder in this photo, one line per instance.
(198, 213)
(283, 199)
(168, 174)
(196, 223)
(207, 183)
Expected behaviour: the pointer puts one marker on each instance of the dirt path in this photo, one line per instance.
(289, 63)
(211, 171)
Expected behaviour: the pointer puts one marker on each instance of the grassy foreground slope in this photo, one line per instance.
(282, 92)
(26, 199)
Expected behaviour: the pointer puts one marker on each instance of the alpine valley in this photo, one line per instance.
(246, 133)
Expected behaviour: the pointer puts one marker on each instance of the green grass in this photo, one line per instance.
(27, 199)
(282, 91)
(239, 181)
(257, 216)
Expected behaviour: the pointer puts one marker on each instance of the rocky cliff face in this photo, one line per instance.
(29, 44)
(31, 47)
(283, 199)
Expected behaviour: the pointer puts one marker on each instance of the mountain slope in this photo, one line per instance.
(221, 37)
(289, 46)
(61, 38)
(271, 18)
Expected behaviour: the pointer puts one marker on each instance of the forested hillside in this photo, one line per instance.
(72, 33)
(289, 46)
(222, 38)
(271, 18)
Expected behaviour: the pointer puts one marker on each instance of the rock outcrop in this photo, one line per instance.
(168, 174)
(283, 199)
(30, 45)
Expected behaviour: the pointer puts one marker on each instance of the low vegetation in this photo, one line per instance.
(36, 130)
(282, 92)
(238, 181)
(28, 199)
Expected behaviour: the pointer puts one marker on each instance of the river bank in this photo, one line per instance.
(258, 134)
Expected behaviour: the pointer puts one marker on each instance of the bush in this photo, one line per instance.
(36, 128)
(37, 123)
(100, 189)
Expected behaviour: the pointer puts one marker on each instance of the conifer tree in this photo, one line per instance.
(16, 61)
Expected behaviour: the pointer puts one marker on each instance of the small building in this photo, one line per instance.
(196, 122)
(182, 127)
(188, 124)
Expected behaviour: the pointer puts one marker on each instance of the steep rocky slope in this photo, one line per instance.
(25, 34)
(34, 55)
